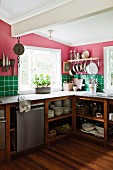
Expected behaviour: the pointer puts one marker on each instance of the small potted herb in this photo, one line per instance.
(42, 83)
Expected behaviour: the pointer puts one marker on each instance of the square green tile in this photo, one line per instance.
(15, 78)
(2, 94)
(1, 83)
(11, 87)
(1, 78)
(15, 83)
(10, 77)
(10, 83)
(6, 78)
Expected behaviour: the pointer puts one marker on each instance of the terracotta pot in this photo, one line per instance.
(42, 90)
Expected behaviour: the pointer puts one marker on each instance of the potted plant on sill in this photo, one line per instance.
(42, 83)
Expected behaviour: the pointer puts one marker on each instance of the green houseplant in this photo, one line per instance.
(42, 83)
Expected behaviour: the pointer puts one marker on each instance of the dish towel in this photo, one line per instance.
(24, 105)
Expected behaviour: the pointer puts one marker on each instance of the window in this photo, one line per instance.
(108, 68)
(37, 61)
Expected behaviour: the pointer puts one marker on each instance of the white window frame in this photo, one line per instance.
(107, 71)
(58, 74)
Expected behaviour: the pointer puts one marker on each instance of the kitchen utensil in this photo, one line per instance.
(67, 103)
(111, 116)
(75, 88)
(50, 113)
(88, 69)
(85, 54)
(12, 63)
(100, 129)
(66, 110)
(74, 54)
(78, 56)
(3, 63)
(7, 63)
(71, 55)
(18, 48)
(58, 111)
(74, 68)
(68, 86)
(77, 67)
(58, 103)
(98, 63)
(92, 68)
(84, 66)
(72, 72)
(88, 126)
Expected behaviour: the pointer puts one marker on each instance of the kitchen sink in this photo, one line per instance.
(101, 94)
(87, 93)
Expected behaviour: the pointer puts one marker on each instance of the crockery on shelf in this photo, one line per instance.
(85, 54)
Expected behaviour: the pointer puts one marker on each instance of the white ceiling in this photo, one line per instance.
(98, 28)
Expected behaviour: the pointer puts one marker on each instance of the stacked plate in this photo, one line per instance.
(50, 113)
(66, 110)
(88, 127)
(58, 111)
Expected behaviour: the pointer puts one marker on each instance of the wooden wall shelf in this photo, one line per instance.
(86, 59)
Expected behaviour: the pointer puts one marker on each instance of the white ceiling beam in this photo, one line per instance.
(74, 10)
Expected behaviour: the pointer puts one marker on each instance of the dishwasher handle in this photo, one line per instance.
(37, 106)
(3, 121)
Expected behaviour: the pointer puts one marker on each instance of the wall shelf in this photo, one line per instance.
(85, 59)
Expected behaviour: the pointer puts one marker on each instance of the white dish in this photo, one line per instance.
(85, 54)
(100, 129)
(88, 126)
(58, 103)
(92, 68)
(93, 132)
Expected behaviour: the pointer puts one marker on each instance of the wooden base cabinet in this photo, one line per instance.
(88, 110)
(110, 122)
(62, 126)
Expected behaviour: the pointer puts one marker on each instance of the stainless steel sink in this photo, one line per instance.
(87, 93)
(101, 94)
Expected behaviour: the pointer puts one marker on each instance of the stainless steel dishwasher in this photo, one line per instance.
(30, 127)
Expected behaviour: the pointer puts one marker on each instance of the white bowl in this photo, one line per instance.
(100, 129)
(58, 111)
(58, 103)
(88, 126)
(66, 110)
(67, 103)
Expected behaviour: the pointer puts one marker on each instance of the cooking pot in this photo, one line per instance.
(111, 116)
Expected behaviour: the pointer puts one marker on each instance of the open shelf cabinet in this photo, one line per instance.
(57, 121)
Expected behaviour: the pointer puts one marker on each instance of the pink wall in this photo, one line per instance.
(7, 43)
(95, 50)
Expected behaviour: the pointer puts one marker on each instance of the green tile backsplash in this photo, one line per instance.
(8, 85)
(86, 77)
